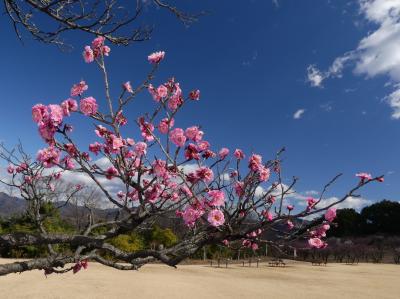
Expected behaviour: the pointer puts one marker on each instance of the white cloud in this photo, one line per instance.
(394, 102)
(311, 192)
(225, 178)
(259, 191)
(356, 203)
(282, 188)
(377, 54)
(315, 76)
(299, 113)
(188, 168)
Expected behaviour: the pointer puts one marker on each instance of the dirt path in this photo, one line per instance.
(297, 280)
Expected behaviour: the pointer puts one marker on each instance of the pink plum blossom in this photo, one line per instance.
(88, 106)
(311, 203)
(127, 87)
(159, 168)
(106, 50)
(217, 198)
(156, 57)
(117, 142)
(48, 156)
(175, 101)
(88, 55)
(78, 89)
(98, 42)
(47, 131)
(216, 218)
(223, 153)
(68, 106)
(194, 133)
(191, 152)
(177, 136)
(111, 172)
(140, 148)
(130, 141)
(162, 91)
(364, 176)
(239, 188)
(290, 224)
(101, 131)
(95, 148)
(153, 93)
(121, 119)
(71, 149)
(99, 48)
(21, 167)
(203, 145)
(39, 113)
(194, 95)
(165, 125)
(264, 173)
(205, 174)
(147, 129)
(190, 215)
(268, 215)
(330, 214)
(152, 194)
(239, 154)
(208, 154)
(255, 162)
(10, 169)
(56, 114)
(316, 243)
(68, 162)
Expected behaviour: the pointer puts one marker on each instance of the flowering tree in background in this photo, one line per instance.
(220, 196)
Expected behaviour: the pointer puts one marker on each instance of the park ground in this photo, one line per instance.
(296, 280)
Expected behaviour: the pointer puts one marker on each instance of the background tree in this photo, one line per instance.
(117, 21)
(348, 223)
(381, 218)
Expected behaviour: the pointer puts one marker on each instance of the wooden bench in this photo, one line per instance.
(276, 263)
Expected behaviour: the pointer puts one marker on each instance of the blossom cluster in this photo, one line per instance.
(320, 232)
(96, 50)
(50, 118)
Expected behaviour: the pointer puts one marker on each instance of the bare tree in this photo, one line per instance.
(218, 196)
(116, 20)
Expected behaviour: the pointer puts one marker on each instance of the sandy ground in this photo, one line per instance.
(297, 280)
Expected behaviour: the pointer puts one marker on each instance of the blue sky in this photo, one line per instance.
(256, 64)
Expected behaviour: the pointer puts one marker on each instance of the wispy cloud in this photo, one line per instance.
(252, 59)
(356, 203)
(299, 113)
(376, 54)
(326, 106)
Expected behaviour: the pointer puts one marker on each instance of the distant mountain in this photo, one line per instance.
(10, 206)
(78, 215)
